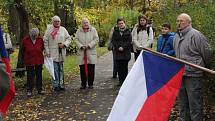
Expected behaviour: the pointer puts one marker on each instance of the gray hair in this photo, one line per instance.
(55, 18)
(34, 31)
(185, 15)
(85, 20)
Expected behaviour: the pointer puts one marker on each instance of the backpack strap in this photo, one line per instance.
(148, 29)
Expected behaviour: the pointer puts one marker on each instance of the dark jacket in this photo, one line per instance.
(165, 44)
(33, 53)
(122, 40)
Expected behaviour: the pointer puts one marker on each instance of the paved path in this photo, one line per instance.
(85, 105)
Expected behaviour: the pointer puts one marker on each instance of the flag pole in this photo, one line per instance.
(179, 60)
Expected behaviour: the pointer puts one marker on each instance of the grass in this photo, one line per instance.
(71, 68)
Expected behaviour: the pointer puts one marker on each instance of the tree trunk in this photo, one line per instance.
(65, 10)
(13, 21)
(131, 4)
(23, 26)
(144, 7)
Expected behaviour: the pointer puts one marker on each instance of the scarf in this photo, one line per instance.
(85, 29)
(54, 32)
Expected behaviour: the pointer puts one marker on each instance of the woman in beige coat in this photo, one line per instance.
(86, 40)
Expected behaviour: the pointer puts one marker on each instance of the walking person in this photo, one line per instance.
(142, 36)
(86, 40)
(192, 46)
(121, 41)
(165, 40)
(33, 47)
(56, 39)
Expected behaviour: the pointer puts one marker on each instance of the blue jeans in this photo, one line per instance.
(59, 74)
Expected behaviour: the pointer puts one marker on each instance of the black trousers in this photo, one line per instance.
(122, 68)
(33, 71)
(114, 66)
(91, 75)
(136, 54)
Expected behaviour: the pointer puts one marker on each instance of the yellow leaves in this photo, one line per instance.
(87, 103)
(93, 111)
(154, 5)
(27, 109)
(81, 113)
(148, 14)
(182, 1)
(95, 15)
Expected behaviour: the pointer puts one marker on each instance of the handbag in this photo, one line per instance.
(110, 46)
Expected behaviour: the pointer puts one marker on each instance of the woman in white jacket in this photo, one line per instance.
(142, 35)
(56, 39)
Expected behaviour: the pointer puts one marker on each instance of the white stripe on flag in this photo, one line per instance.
(132, 94)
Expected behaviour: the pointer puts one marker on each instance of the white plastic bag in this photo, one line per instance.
(48, 62)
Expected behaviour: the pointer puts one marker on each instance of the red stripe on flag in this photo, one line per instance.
(158, 106)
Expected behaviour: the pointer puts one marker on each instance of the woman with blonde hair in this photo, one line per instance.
(86, 40)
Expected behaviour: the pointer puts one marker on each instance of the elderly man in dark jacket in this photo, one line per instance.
(192, 46)
(121, 41)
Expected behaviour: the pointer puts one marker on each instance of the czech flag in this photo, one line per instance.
(149, 91)
(7, 91)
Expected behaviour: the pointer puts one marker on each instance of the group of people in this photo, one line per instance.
(186, 43)
(35, 47)
(53, 45)
(123, 41)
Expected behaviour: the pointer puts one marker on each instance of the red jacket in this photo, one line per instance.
(33, 53)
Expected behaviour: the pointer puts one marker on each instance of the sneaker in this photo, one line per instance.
(29, 94)
(41, 92)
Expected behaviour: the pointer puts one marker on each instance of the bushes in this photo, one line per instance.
(202, 17)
